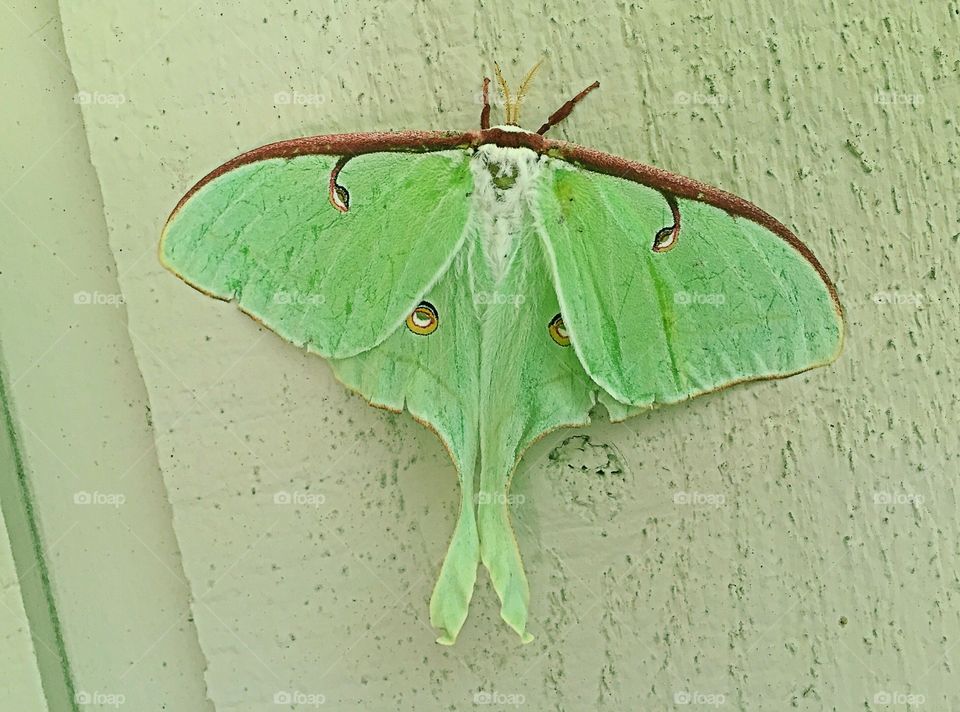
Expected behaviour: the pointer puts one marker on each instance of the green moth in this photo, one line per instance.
(498, 284)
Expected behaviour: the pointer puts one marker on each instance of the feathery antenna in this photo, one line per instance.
(522, 91)
(505, 90)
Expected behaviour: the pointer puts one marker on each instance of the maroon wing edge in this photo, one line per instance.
(670, 184)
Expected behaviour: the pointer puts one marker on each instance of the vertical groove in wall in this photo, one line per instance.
(23, 531)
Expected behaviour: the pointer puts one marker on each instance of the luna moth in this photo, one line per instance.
(497, 285)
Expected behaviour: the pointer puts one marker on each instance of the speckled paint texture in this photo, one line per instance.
(780, 545)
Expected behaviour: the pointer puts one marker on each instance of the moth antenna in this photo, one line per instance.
(505, 90)
(564, 111)
(522, 91)
(485, 112)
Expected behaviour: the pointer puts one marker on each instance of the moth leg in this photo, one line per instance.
(564, 111)
(485, 112)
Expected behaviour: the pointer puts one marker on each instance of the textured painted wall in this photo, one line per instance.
(100, 576)
(789, 544)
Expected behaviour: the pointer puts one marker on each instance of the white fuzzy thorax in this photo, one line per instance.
(498, 212)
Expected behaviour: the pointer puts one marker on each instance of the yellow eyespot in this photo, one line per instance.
(424, 319)
(558, 331)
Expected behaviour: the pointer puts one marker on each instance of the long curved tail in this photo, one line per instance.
(450, 601)
(499, 551)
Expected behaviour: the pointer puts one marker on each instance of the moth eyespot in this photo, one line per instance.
(339, 196)
(558, 331)
(424, 319)
(343, 198)
(665, 239)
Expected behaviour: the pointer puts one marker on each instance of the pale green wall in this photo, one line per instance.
(826, 579)
(22, 687)
(81, 413)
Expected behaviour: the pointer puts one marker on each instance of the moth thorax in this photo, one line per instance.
(504, 175)
(503, 181)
